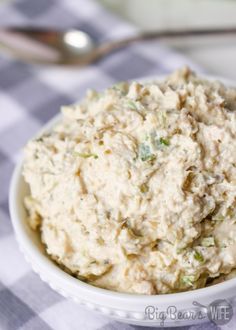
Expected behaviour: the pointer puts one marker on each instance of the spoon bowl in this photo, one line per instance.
(77, 42)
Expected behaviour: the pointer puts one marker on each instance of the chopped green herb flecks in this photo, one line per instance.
(208, 241)
(84, 155)
(132, 105)
(164, 141)
(120, 87)
(198, 256)
(145, 152)
(188, 279)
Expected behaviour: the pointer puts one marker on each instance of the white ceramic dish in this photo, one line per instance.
(129, 308)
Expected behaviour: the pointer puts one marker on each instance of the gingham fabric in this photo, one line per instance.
(29, 97)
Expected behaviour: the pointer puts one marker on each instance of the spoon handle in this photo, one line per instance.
(165, 34)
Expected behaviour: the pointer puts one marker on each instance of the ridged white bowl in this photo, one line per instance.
(129, 308)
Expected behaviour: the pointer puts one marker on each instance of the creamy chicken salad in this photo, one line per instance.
(134, 190)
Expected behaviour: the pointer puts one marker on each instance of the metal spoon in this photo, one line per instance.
(75, 47)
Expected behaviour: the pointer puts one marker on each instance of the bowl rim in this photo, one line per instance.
(32, 252)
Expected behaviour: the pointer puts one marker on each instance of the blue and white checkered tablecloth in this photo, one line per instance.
(29, 97)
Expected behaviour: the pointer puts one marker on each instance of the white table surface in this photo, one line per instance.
(215, 54)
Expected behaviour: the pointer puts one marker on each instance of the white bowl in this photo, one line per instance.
(129, 308)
